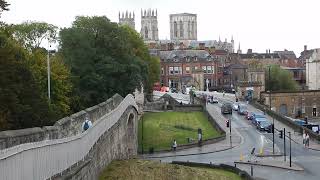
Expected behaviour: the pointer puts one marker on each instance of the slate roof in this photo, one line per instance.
(180, 54)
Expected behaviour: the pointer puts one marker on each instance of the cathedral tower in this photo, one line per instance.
(127, 19)
(183, 26)
(149, 25)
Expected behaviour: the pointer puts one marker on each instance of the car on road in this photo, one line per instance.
(264, 125)
(226, 108)
(257, 115)
(214, 99)
(249, 116)
(259, 119)
(242, 109)
(235, 106)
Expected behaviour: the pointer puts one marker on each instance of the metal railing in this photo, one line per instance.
(42, 160)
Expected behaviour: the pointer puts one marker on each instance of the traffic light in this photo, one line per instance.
(280, 134)
(227, 123)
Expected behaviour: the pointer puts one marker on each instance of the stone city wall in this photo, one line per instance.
(67, 126)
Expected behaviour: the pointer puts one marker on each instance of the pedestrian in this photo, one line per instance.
(199, 138)
(307, 140)
(86, 124)
(174, 145)
(304, 139)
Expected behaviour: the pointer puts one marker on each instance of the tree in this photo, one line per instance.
(3, 6)
(60, 79)
(103, 60)
(31, 34)
(140, 49)
(280, 79)
(21, 105)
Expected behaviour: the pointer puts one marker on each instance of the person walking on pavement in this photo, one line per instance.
(307, 140)
(174, 145)
(304, 139)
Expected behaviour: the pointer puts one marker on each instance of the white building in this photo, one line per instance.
(149, 25)
(313, 70)
(183, 26)
(127, 19)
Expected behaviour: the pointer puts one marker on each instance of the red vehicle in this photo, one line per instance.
(156, 87)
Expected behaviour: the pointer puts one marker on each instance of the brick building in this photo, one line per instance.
(296, 104)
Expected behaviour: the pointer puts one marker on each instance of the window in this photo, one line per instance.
(145, 32)
(187, 69)
(209, 69)
(175, 29)
(195, 58)
(220, 69)
(176, 70)
(204, 68)
(181, 29)
(170, 70)
(196, 68)
(162, 70)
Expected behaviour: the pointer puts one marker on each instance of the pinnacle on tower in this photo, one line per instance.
(119, 15)
(130, 15)
(156, 12)
(133, 14)
(126, 13)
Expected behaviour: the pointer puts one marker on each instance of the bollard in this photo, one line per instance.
(251, 170)
(235, 165)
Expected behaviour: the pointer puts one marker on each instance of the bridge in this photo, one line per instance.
(63, 151)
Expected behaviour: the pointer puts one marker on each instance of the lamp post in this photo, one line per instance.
(48, 72)
(269, 84)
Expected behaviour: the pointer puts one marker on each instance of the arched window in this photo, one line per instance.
(189, 29)
(181, 29)
(153, 32)
(145, 32)
(192, 29)
(175, 29)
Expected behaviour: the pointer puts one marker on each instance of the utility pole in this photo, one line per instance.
(142, 134)
(290, 147)
(284, 144)
(48, 70)
(269, 84)
(230, 133)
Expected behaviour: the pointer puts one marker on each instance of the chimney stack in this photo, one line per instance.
(305, 47)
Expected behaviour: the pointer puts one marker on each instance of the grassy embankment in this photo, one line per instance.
(140, 169)
(160, 129)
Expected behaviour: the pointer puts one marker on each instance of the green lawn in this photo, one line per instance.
(140, 169)
(159, 129)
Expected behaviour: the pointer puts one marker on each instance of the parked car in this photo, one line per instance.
(257, 115)
(264, 126)
(259, 119)
(214, 99)
(249, 116)
(242, 109)
(235, 106)
(226, 108)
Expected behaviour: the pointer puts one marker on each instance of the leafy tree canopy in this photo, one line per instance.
(31, 34)
(280, 79)
(104, 59)
(21, 104)
(4, 6)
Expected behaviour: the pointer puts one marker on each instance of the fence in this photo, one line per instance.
(42, 160)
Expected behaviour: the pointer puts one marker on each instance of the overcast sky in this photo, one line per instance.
(256, 24)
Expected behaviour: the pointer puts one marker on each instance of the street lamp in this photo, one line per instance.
(48, 70)
(269, 84)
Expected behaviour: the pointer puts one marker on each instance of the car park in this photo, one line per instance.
(226, 108)
(235, 106)
(242, 109)
(264, 125)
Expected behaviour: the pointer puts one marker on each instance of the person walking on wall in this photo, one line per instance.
(86, 124)
(174, 145)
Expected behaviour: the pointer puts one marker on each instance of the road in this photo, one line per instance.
(262, 142)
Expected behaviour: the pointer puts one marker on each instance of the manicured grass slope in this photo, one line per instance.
(141, 169)
(159, 129)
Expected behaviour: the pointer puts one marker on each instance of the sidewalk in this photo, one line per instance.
(223, 145)
(295, 136)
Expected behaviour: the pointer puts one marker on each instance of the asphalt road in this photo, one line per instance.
(252, 138)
